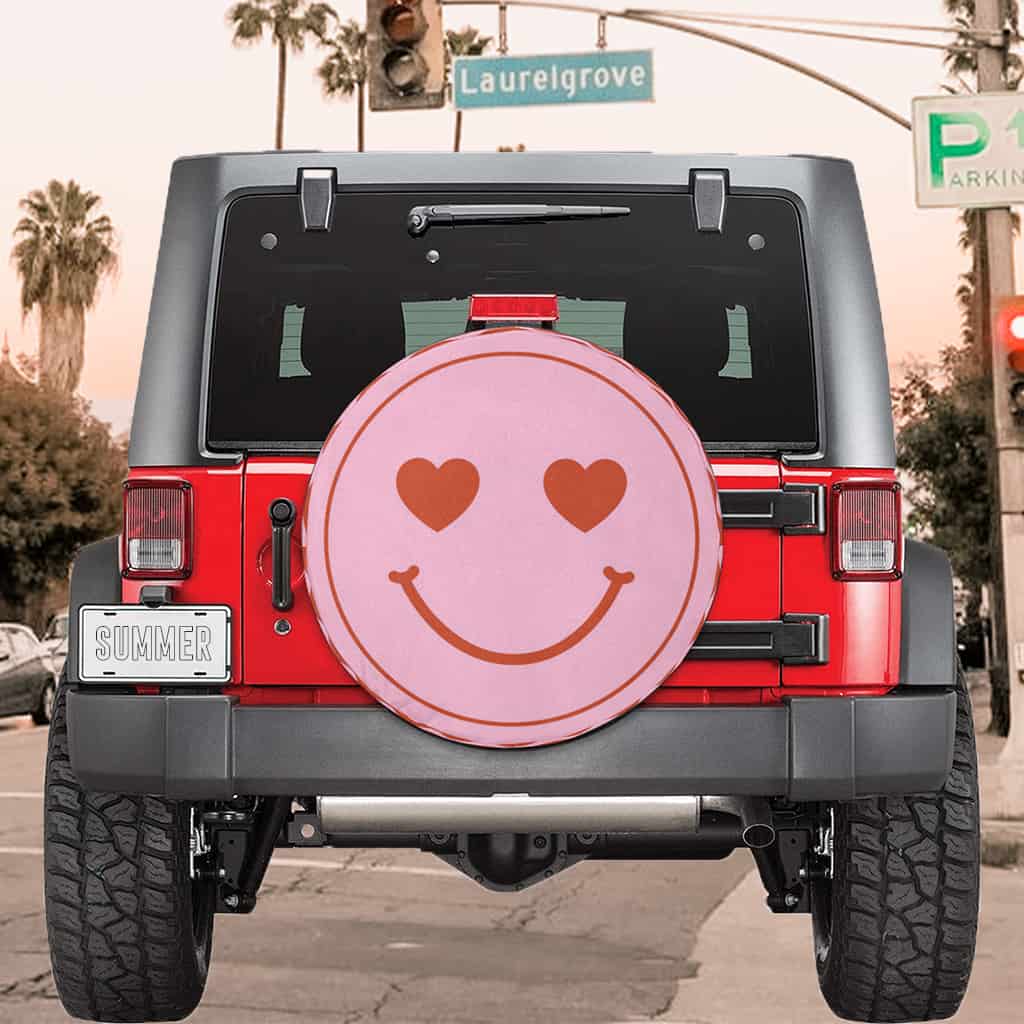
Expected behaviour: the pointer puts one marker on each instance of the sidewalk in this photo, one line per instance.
(1002, 841)
(759, 966)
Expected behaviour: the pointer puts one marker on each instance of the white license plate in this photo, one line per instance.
(184, 643)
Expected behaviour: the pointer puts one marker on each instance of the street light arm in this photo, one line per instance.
(778, 58)
(703, 33)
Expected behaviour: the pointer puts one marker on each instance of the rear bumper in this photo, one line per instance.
(211, 747)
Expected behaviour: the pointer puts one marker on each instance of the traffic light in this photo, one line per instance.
(1011, 334)
(405, 53)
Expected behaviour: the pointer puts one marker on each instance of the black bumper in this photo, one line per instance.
(809, 748)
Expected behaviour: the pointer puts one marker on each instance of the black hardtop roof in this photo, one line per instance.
(852, 373)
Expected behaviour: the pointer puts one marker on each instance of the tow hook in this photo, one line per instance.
(820, 863)
(824, 848)
(198, 845)
(282, 519)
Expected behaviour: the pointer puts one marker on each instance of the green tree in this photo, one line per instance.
(466, 42)
(343, 72)
(289, 23)
(60, 487)
(63, 250)
(942, 444)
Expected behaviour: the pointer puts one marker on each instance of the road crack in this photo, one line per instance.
(36, 986)
(12, 918)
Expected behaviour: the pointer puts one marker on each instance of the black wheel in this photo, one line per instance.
(894, 930)
(42, 714)
(129, 929)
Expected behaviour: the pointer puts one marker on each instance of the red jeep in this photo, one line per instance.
(520, 510)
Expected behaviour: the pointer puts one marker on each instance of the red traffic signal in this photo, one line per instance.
(1011, 332)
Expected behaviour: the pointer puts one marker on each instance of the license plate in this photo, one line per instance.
(186, 643)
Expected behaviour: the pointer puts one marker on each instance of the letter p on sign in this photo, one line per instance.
(942, 150)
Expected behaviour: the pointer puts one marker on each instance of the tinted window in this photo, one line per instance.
(305, 320)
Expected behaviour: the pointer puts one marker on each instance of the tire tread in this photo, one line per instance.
(118, 898)
(905, 896)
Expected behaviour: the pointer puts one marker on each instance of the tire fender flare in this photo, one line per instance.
(95, 579)
(928, 629)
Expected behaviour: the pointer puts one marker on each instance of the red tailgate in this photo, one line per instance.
(748, 589)
(299, 657)
(301, 661)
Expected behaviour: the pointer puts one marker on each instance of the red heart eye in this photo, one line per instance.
(437, 495)
(585, 497)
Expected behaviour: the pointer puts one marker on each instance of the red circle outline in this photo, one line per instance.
(412, 694)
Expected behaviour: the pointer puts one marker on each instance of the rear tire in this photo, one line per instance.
(43, 712)
(895, 929)
(129, 929)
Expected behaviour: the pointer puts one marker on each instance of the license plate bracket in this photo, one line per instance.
(168, 644)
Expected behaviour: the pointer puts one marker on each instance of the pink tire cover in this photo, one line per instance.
(512, 537)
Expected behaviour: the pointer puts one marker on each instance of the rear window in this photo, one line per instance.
(305, 320)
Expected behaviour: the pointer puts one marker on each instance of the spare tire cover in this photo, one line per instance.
(511, 537)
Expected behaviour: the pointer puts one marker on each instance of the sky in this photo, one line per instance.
(109, 94)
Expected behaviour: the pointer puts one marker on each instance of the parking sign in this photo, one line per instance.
(969, 150)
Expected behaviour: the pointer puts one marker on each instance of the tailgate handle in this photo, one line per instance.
(282, 519)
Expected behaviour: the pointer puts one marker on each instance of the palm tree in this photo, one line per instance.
(343, 72)
(962, 57)
(289, 23)
(62, 253)
(467, 42)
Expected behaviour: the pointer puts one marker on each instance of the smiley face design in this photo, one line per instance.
(511, 537)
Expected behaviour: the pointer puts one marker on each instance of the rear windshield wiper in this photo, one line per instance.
(422, 218)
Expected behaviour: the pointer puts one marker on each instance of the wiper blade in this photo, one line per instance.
(422, 218)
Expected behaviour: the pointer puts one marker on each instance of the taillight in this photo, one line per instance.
(867, 532)
(157, 539)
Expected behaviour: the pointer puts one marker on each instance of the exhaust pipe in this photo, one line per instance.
(508, 812)
(522, 813)
(754, 813)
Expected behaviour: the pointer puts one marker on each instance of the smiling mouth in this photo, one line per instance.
(616, 581)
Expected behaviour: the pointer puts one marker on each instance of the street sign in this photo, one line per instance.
(604, 76)
(969, 150)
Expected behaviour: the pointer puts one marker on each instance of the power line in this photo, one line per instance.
(678, 25)
(850, 23)
(795, 30)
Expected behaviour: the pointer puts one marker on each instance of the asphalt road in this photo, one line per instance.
(384, 935)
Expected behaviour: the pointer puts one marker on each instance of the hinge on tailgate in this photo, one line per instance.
(796, 509)
(799, 639)
(709, 191)
(805, 640)
(316, 197)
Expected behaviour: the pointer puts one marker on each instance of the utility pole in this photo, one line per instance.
(1008, 441)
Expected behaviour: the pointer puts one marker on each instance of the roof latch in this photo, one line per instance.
(709, 191)
(316, 196)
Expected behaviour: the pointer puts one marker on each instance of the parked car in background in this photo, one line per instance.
(55, 640)
(27, 683)
(971, 643)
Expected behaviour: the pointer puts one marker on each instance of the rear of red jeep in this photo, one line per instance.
(820, 692)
